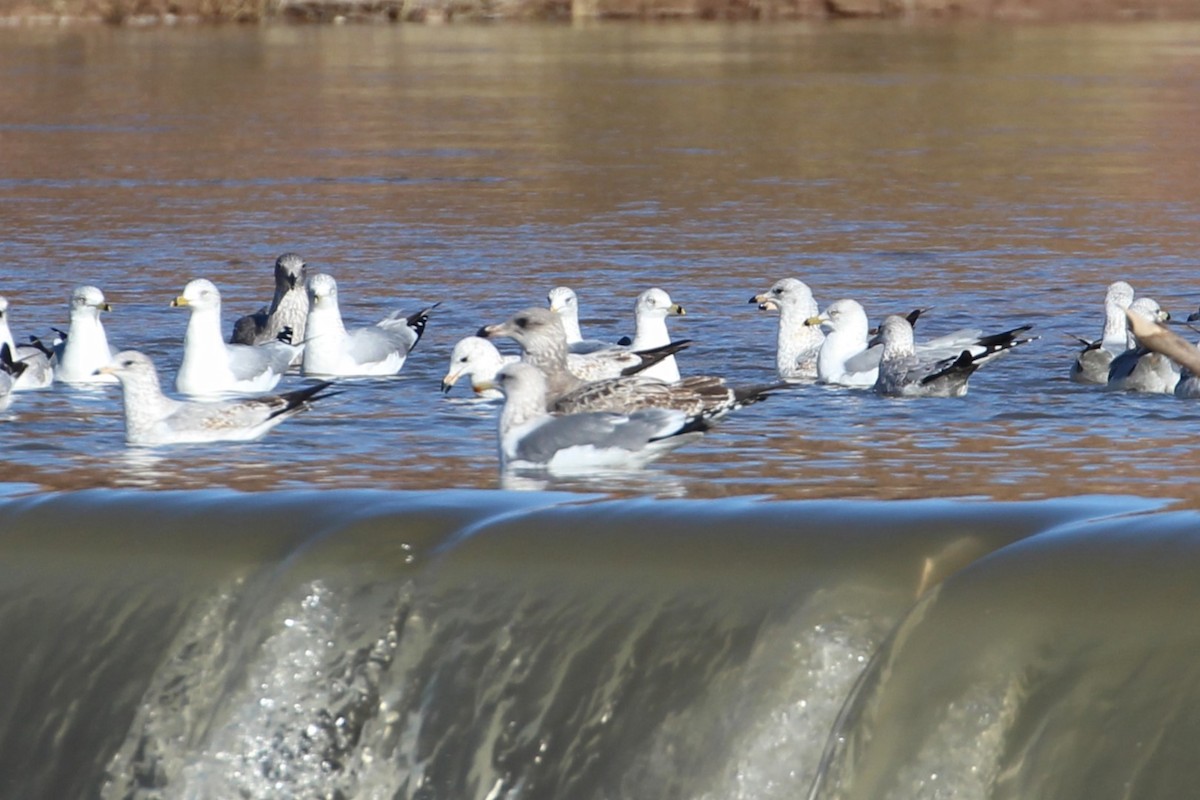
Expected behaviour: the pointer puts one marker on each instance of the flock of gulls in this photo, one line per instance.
(569, 403)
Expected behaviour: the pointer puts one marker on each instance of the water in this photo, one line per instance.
(1000, 175)
(833, 595)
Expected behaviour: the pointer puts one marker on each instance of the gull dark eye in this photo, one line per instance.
(777, 291)
(521, 322)
(462, 360)
(127, 362)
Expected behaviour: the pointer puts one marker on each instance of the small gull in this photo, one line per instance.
(564, 302)
(378, 349)
(1139, 369)
(530, 437)
(210, 366)
(543, 341)
(288, 309)
(152, 418)
(1093, 362)
(479, 360)
(38, 372)
(797, 344)
(903, 372)
(540, 334)
(651, 310)
(85, 348)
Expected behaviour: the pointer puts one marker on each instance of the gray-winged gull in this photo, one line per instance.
(478, 359)
(650, 311)
(529, 436)
(845, 358)
(10, 373)
(38, 373)
(152, 418)
(211, 367)
(1139, 369)
(903, 372)
(85, 348)
(374, 350)
(797, 344)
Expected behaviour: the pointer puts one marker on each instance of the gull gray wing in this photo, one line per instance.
(600, 430)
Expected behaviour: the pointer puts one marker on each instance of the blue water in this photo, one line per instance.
(1002, 176)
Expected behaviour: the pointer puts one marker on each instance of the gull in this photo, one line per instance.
(651, 310)
(37, 372)
(1140, 369)
(1093, 362)
(378, 349)
(85, 348)
(848, 358)
(903, 372)
(288, 309)
(210, 366)
(152, 418)
(543, 342)
(845, 358)
(531, 437)
(797, 344)
(564, 302)
(10, 373)
(479, 360)
(1154, 337)
(540, 334)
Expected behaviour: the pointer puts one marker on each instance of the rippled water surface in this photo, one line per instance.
(1000, 175)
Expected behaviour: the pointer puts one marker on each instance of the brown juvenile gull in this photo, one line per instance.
(540, 334)
(152, 418)
(903, 372)
(288, 309)
(543, 340)
(531, 437)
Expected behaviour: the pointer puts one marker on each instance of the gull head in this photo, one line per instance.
(656, 303)
(3, 307)
(475, 357)
(785, 293)
(88, 300)
(896, 335)
(322, 290)
(290, 271)
(531, 328)
(563, 300)
(1149, 309)
(198, 295)
(520, 381)
(841, 315)
(131, 366)
(1119, 294)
